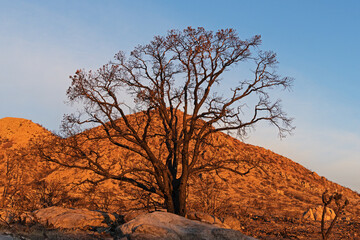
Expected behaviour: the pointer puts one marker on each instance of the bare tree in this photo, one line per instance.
(174, 85)
(340, 203)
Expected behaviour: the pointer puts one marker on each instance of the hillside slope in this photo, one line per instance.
(20, 131)
(278, 187)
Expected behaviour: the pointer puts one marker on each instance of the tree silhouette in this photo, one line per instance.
(175, 86)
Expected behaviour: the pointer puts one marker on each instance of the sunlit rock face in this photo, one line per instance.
(315, 214)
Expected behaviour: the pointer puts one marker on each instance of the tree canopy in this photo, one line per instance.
(175, 86)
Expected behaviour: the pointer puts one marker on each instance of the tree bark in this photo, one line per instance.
(180, 202)
(179, 197)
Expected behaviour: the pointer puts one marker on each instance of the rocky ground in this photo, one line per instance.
(293, 228)
(268, 203)
(62, 223)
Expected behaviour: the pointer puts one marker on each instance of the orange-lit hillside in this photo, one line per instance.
(278, 187)
(20, 131)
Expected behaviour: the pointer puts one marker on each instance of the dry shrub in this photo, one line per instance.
(207, 196)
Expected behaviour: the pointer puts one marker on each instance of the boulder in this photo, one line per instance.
(8, 237)
(27, 218)
(206, 218)
(233, 223)
(315, 214)
(66, 218)
(164, 225)
(133, 214)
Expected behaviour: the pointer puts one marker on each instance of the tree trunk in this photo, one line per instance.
(176, 203)
(180, 201)
(169, 204)
(179, 198)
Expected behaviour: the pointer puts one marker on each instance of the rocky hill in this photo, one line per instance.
(20, 131)
(278, 189)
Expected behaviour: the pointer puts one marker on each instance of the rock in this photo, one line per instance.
(66, 218)
(27, 218)
(7, 237)
(315, 214)
(309, 215)
(11, 216)
(281, 192)
(206, 218)
(232, 222)
(164, 225)
(316, 176)
(133, 214)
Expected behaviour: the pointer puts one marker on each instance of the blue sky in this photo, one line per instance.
(317, 42)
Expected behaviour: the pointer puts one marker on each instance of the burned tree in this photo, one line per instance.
(340, 202)
(174, 85)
